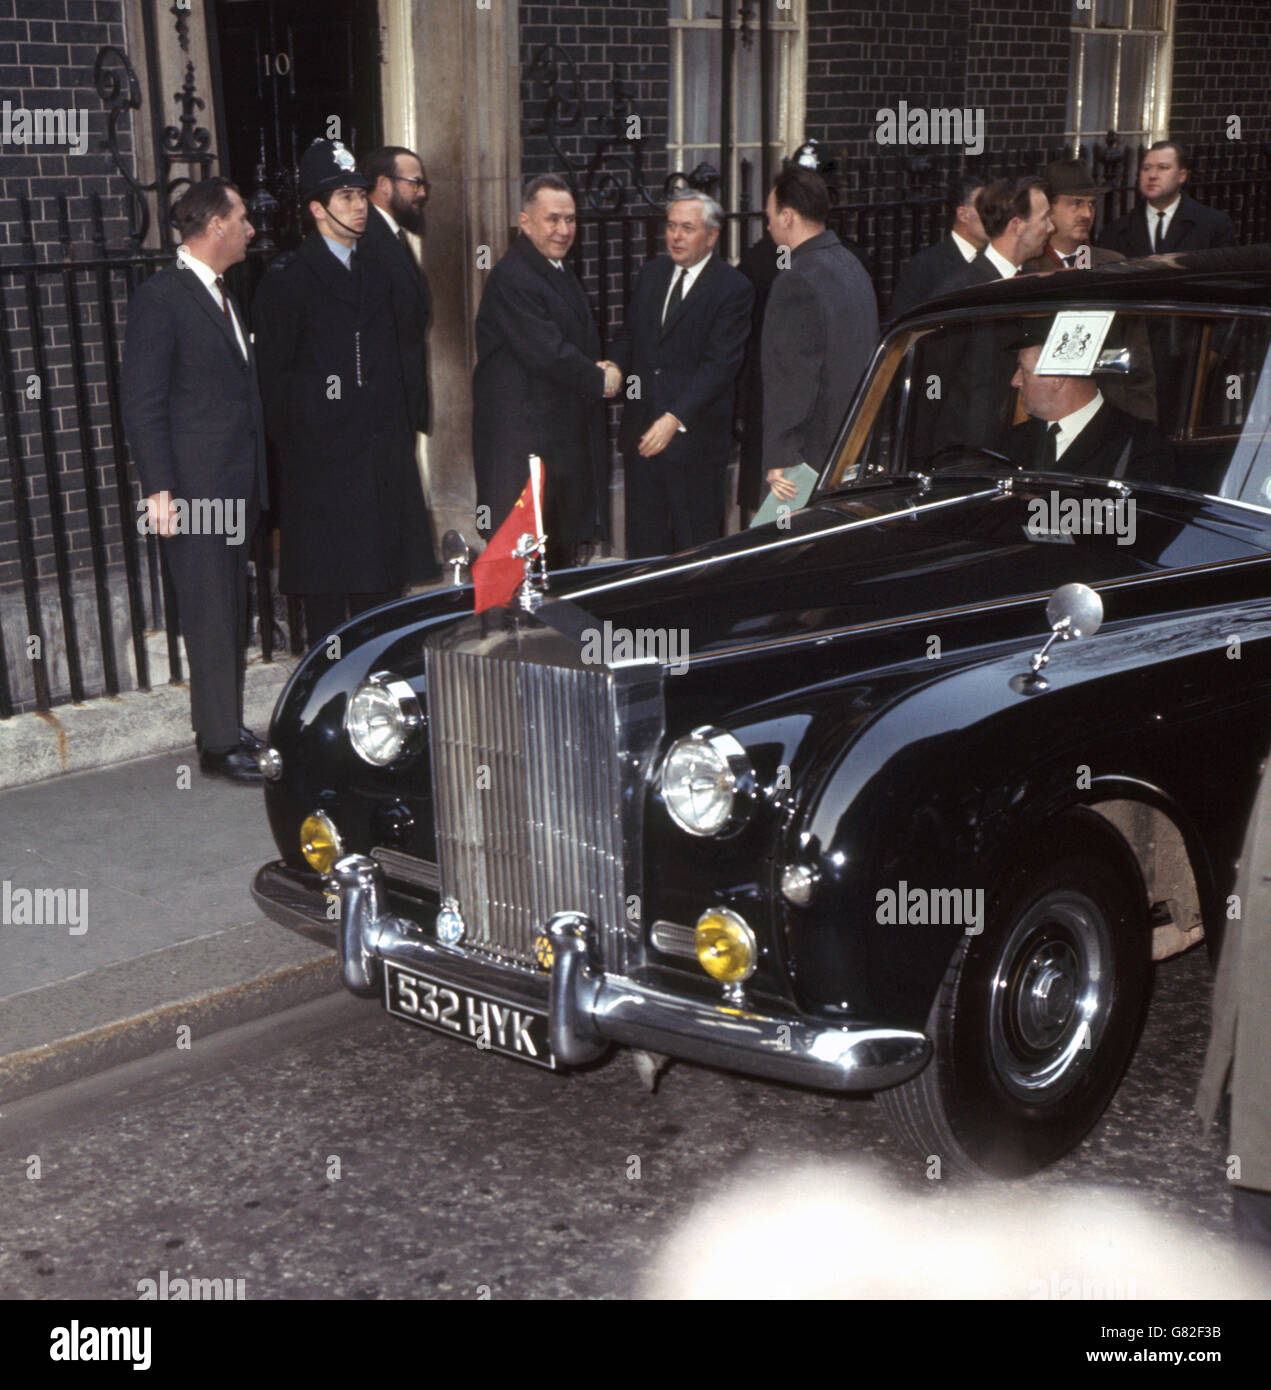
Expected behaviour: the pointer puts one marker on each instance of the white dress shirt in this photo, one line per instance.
(1153, 218)
(208, 277)
(969, 252)
(1070, 426)
(1005, 268)
(690, 277)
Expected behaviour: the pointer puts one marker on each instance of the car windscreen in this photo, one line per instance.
(1179, 399)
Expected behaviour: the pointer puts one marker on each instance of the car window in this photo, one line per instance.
(1179, 400)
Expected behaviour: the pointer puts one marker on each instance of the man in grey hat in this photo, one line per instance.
(353, 523)
(1074, 201)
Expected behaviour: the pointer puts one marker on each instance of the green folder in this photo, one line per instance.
(804, 478)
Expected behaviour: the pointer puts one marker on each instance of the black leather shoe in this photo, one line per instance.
(238, 765)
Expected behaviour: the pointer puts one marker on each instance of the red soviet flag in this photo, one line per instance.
(496, 573)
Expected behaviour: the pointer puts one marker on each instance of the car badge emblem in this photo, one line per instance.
(450, 924)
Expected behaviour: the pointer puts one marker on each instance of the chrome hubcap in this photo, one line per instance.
(1050, 997)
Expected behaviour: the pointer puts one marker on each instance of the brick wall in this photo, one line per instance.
(1222, 67)
(1011, 62)
(624, 42)
(47, 51)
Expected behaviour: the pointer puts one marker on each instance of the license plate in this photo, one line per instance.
(480, 1019)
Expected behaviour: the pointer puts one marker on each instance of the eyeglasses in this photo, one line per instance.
(417, 183)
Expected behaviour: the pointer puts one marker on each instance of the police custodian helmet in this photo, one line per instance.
(327, 165)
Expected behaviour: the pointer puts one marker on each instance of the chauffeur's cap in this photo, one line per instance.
(327, 165)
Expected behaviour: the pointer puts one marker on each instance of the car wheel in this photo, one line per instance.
(1035, 1020)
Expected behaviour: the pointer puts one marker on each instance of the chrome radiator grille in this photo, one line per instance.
(527, 797)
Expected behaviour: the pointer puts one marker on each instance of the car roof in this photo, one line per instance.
(1239, 275)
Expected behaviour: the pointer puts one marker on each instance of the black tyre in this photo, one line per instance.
(1036, 1018)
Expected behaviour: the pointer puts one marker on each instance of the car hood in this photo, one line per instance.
(893, 553)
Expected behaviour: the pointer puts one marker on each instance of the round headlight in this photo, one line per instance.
(381, 716)
(320, 841)
(725, 945)
(702, 777)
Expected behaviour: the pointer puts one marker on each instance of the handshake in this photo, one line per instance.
(613, 379)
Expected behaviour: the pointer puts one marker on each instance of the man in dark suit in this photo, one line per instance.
(973, 367)
(925, 272)
(192, 416)
(539, 386)
(352, 518)
(680, 351)
(819, 332)
(1074, 197)
(1016, 218)
(1072, 429)
(397, 188)
(1168, 220)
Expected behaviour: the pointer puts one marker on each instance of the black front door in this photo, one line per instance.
(291, 71)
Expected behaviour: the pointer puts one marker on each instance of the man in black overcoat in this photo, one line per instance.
(397, 188)
(1168, 219)
(680, 352)
(352, 519)
(924, 273)
(539, 386)
(192, 417)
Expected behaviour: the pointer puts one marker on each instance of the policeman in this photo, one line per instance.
(354, 525)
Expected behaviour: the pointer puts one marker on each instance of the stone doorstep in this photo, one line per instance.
(118, 728)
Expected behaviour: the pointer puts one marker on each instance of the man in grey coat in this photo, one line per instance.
(819, 330)
(1239, 1056)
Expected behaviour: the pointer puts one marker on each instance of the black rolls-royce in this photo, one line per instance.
(901, 792)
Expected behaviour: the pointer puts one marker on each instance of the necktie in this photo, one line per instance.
(1157, 244)
(675, 299)
(406, 246)
(225, 309)
(1070, 261)
(1048, 452)
(229, 317)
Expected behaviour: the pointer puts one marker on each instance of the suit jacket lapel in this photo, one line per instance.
(1180, 224)
(694, 296)
(209, 306)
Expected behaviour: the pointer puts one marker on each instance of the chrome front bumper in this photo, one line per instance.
(587, 1009)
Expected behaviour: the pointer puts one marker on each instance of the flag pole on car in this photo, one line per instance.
(507, 562)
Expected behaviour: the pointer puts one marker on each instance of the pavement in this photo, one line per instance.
(145, 869)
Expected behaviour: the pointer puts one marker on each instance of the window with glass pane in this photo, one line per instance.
(1119, 78)
(697, 85)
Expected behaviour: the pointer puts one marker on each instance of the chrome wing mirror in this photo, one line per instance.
(1074, 610)
(455, 552)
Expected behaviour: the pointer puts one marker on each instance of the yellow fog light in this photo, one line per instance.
(725, 945)
(544, 952)
(320, 842)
